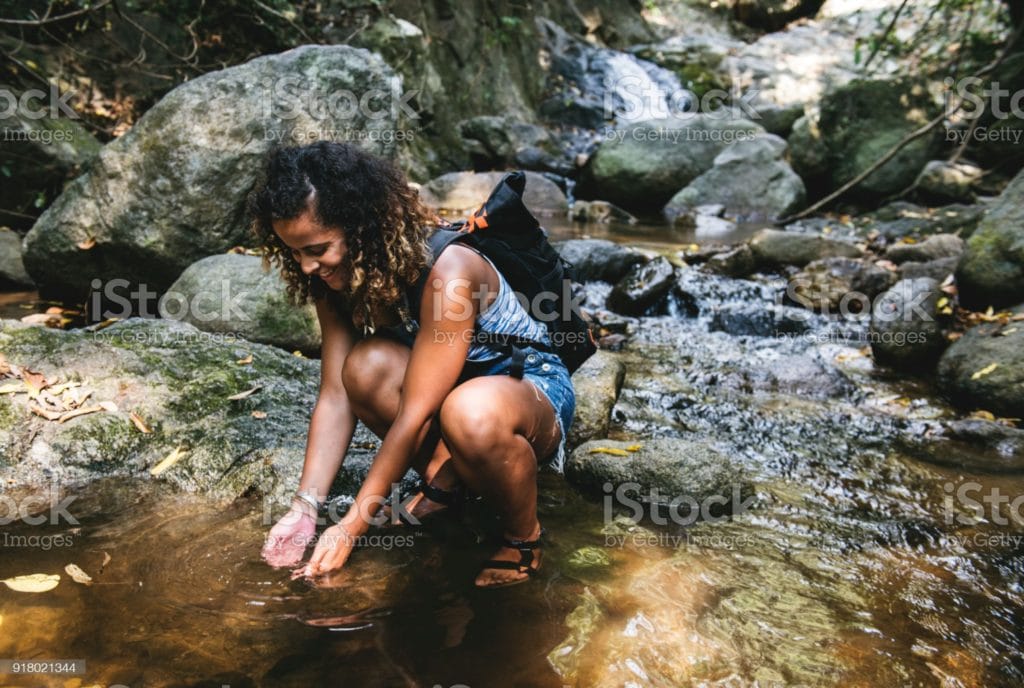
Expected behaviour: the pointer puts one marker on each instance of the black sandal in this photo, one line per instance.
(524, 565)
(454, 499)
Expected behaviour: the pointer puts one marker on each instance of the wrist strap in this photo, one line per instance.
(308, 498)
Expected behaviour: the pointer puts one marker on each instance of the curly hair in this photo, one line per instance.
(365, 196)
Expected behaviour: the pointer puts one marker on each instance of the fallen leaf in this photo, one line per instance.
(139, 423)
(33, 582)
(259, 414)
(45, 413)
(78, 575)
(41, 319)
(634, 447)
(13, 388)
(982, 415)
(1008, 331)
(246, 393)
(167, 462)
(35, 382)
(609, 450)
(106, 560)
(942, 302)
(984, 371)
(87, 244)
(108, 406)
(298, 354)
(58, 389)
(79, 412)
(245, 361)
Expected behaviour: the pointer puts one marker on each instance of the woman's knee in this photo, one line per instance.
(473, 423)
(371, 368)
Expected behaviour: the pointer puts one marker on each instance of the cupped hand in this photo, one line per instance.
(332, 551)
(288, 539)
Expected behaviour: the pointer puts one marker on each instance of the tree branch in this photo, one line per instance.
(49, 20)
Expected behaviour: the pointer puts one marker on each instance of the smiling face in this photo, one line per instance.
(317, 249)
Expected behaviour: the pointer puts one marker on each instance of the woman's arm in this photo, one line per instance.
(448, 314)
(333, 422)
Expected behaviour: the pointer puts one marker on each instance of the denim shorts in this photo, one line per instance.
(547, 372)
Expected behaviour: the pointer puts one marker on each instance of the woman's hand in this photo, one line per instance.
(288, 539)
(332, 551)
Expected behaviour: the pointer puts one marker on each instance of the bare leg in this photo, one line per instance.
(496, 427)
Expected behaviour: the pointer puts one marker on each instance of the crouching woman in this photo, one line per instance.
(348, 233)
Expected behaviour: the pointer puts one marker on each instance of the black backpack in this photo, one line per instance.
(505, 231)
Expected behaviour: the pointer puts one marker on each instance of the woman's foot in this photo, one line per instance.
(517, 561)
(431, 499)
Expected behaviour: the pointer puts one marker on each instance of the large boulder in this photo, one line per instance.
(906, 326)
(683, 470)
(178, 382)
(597, 383)
(774, 248)
(12, 268)
(230, 293)
(862, 120)
(640, 166)
(985, 368)
(750, 179)
(599, 259)
(43, 149)
(173, 189)
(991, 271)
(460, 193)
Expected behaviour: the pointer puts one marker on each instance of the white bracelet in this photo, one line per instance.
(308, 499)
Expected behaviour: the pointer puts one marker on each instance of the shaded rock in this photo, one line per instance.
(643, 289)
(760, 320)
(173, 189)
(39, 156)
(991, 271)
(949, 181)
(232, 293)
(873, 279)
(968, 444)
(937, 270)
(860, 121)
(178, 380)
(640, 166)
(967, 375)
(772, 15)
(597, 383)
(902, 219)
(773, 248)
(676, 468)
(906, 332)
(600, 212)
(459, 193)
(779, 119)
(749, 179)
(497, 142)
(933, 248)
(737, 262)
(807, 152)
(599, 259)
(12, 268)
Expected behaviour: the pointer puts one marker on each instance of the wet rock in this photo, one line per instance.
(676, 468)
(597, 383)
(863, 119)
(643, 290)
(906, 330)
(933, 248)
(600, 212)
(599, 259)
(178, 379)
(230, 293)
(873, 279)
(968, 444)
(985, 368)
(773, 248)
(640, 166)
(12, 268)
(827, 285)
(459, 193)
(173, 189)
(759, 320)
(749, 179)
(737, 262)
(948, 181)
(697, 292)
(901, 219)
(991, 272)
(40, 155)
(937, 270)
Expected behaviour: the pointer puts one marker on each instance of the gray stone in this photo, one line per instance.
(12, 268)
(991, 271)
(459, 193)
(933, 248)
(600, 212)
(736, 262)
(599, 259)
(773, 248)
(984, 369)
(938, 269)
(246, 301)
(597, 383)
(173, 189)
(949, 181)
(643, 290)
(906, 327)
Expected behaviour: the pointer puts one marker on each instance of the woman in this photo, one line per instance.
(347, 232)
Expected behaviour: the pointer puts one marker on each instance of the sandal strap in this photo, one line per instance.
(510, 565)
(440, 495)
(524, 545)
